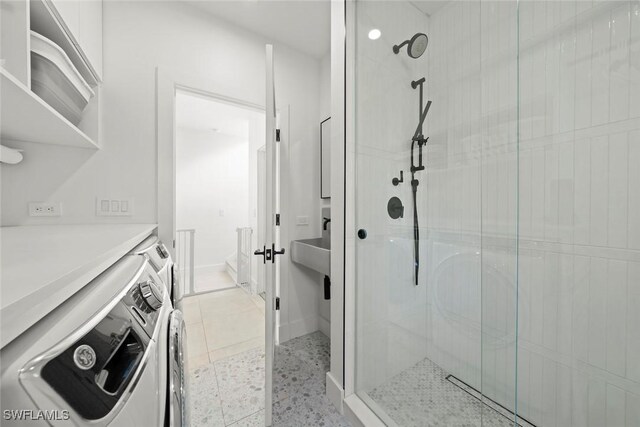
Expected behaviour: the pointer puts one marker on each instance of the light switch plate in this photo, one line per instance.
(302, 220)
(114, 206)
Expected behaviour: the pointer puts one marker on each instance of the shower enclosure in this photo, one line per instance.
(516, 299)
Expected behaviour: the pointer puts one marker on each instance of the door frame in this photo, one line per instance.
(167, 84)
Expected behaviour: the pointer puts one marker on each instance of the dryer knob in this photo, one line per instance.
(162, 251)
(151, 293)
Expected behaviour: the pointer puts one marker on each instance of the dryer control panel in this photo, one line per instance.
(92, 370)
(143, 300)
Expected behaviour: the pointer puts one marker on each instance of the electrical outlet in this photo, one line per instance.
(114, 207)
(45, 209)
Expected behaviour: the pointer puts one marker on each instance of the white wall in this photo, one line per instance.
(212, 192)
(138, 37)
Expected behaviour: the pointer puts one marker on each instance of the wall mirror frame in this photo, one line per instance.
(325, 158)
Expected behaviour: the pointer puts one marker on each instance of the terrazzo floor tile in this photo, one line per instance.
(308, 406)
(314, 349)
(290, 373)
(241, 382)
(238, 398)
(306, 403)
(421, 396)
(254, 420)
(206, 406)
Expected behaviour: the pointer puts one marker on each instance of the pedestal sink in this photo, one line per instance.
(313, 253)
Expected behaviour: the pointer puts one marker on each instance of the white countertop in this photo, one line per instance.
(42, 266)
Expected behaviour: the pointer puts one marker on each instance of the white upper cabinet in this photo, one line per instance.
(38, 102)
(83, 21)
(90, 33)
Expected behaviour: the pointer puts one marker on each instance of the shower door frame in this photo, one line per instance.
(356, 408)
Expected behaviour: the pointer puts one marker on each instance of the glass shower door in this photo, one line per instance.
(435, 206)
(579, 210)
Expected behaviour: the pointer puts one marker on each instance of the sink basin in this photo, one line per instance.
(313, 253)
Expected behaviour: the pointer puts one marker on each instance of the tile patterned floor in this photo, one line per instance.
(229, 392)
(221, 324)
(422, 396)
(213, 281)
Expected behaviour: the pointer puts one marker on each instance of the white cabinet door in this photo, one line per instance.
(69, 11)
(90, 33)
(83, 20)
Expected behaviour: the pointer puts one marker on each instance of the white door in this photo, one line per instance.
(271, 246)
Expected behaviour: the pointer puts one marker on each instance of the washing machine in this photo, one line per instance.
(113, 354)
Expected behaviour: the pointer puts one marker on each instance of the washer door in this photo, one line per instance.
(178, 371)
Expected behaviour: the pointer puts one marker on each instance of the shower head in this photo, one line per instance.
(417, 45)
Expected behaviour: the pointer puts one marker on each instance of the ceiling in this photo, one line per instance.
(200, 113)
(302, 24)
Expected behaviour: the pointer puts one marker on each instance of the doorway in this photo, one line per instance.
(217, 193)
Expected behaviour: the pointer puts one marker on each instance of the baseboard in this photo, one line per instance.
(231, 271)
(335, 392)
(359, 414)
(298, 328)
(254, 287)
(208, 268)
(324, 326)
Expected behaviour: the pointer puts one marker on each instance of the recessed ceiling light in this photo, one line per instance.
(375, 34)
(215, 130)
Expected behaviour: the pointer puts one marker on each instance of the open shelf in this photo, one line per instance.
(26, 117)
(46, 22)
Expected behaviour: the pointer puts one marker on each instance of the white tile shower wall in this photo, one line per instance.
(471, 192)
(579, 213)
(391, 315)
(450, 210)
(568, 191)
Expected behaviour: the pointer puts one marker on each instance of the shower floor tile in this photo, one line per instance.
(422, 396)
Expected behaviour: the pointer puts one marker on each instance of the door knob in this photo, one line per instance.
(362, 233)
(275, 252)
(263, 253)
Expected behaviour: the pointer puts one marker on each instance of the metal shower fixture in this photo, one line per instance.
(417, 45)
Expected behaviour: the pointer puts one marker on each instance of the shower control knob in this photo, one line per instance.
(151, 293)
(362, 233)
